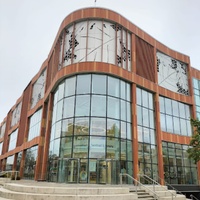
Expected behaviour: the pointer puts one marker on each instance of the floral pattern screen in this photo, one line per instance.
(172, 74)
(38, 89)
(16, 114)
(95, 40)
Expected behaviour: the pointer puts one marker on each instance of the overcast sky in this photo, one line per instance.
(28, 29)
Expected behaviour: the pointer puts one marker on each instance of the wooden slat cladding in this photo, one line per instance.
(145, 62)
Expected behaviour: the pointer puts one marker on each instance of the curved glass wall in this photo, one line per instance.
(91, 125)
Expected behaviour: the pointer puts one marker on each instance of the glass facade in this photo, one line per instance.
(3, 128)
(178, 168)
(13, 140)
(147, 148)
(92, 122)
(175, 117)
(9, 163)
(34, 125)
(30, 162)
(196, 85)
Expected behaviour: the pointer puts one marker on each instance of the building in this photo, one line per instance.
(109, 98)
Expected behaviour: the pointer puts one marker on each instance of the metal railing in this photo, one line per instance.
(9, 174)
(193, 197)
(170, 186)
(148, 179)
(137, 185)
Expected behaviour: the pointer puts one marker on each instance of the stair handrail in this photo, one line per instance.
(156, 183)
(138, 183)
(173, 188)
(7, 172)
(193, 197)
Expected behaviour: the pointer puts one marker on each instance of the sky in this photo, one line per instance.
(28, 29)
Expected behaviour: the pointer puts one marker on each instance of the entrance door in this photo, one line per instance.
(107, 171)
(72, 170)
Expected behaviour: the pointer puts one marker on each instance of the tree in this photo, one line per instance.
(194, 149)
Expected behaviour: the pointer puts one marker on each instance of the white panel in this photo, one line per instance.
(129, 52)
(119, 47)
(109, 35)
(124, 49)
(80, 39)
(16, 114)
(172, 74)
(61, 52)
(94, 40)
(68, 46)
(38, 89)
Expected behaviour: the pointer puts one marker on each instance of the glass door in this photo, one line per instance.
(72, 167)
(107, 171)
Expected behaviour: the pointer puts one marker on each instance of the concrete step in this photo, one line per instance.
(178, 197)
(74, 190)
(35, 196)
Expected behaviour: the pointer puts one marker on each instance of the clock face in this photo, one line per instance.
(172, 74)
(16, 114)
(38, 89)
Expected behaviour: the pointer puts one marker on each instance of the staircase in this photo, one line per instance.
(142, 194)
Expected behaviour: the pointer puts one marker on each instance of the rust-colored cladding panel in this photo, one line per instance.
(145, 60)
(24, 117)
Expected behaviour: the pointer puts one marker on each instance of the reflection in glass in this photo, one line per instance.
(83, 84)
(68, 107)
(113, 86)
(113, 107)
(80, 147)
(82, 105)
(96, 109)
(98, 84)
(81, 126)
(112, 128)
(70, 84)
(67, 127)
(98, 126)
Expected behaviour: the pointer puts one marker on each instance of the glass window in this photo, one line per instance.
(59, 110)
(70, 84)
(96, 109)
(128, 92)
(68, 107)
(67, 127)
(145, 115)
(150, 101)
(98, 84)
(139, 96)
(58, 129)
(168, 106)
(139, 115)
(169, 123)
(113, 86)
(81, 126)
(123, 110)
(113, 148)
(175, 108)
(123, 150)
(140, 136)
(195, 83)
(129, 136)
(112, 128)
(80, 147)
(145, 98)
(176, 122)
(82, 105)
(162, 105)
(83, 84)
(181, 110)
(61, 91)
(128, 111)
(123, 89)
(97, 147)
(66, 147)
(98, 126)
(123, 130)
(183, 127)
(146, 135)
(113, 108)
